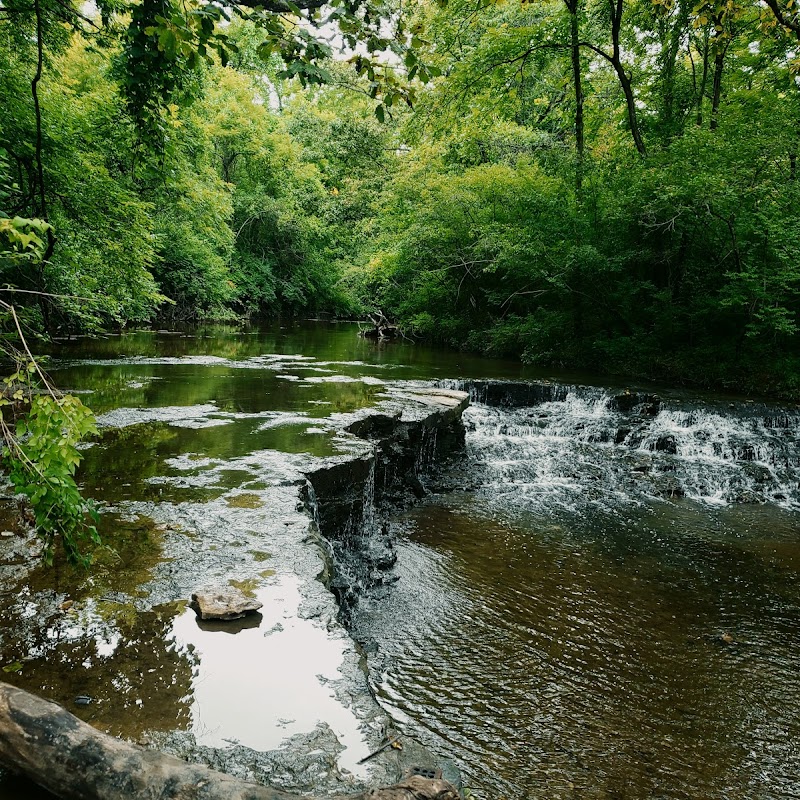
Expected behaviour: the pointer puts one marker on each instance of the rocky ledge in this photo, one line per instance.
(285, 700)
(413, 433)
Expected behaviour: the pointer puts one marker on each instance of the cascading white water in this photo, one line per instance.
(583, 448)
(427, 450)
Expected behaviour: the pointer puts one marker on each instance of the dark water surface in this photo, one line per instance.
(560, 629)
(652, 653)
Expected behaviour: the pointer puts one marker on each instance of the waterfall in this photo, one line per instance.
(426, 455)
(366, 525)
(312, 503)
(572, 444)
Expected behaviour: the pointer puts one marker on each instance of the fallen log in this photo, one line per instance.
(43, 741)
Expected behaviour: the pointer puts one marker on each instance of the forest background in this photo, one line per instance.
(608, 184)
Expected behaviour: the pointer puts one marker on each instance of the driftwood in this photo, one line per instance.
(383, 747)
(381, 327)
(74, 761)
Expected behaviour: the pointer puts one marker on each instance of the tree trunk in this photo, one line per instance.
(572, 7)
(42, 191)
(670, 52)
(716, 91)
(614, 58)
(617, 9)
(71, 759)
(630, 102)
(701, 94)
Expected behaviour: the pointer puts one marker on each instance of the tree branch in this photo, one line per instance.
(789, 24)
(280, 7)
(51, 239)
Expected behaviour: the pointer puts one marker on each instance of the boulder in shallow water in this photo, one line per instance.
(645, 404)
(224, 604)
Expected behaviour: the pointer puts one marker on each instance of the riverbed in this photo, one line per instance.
(599, 599)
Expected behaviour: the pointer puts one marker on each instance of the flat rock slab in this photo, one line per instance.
(223, 604)
(449, 398)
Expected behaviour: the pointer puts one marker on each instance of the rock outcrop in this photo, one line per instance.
(413, 432)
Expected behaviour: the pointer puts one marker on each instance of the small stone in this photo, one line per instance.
(7, 534)
(83, 700)
(67, 605)
(224, 604)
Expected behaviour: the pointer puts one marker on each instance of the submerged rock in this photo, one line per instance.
(666, 444)
(748, 497)
(223, 604)
(621, 435)
(644, 403)
(668, 486)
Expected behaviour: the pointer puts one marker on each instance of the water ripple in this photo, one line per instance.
(554, 654)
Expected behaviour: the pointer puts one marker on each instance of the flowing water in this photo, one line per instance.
(611, 609)
(601, 600)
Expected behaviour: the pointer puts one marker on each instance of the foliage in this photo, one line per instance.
(41, 456)
(166, 41)
(603, 185)
(23, 239)
(40, 428)
(170, 181)
(582, 182)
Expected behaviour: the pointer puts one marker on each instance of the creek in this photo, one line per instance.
(599, 598)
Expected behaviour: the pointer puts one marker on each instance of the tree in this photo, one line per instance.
(674, 258)
(39, 427)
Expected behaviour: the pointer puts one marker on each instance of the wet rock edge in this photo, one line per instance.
(406, 438)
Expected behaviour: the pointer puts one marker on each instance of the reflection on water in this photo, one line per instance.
(186, 420)
(135, 672)
(264, 678)
(252, 388)
(137, 462)
(253, 682)
(333, 346)
(70, 637)
(645, 654)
